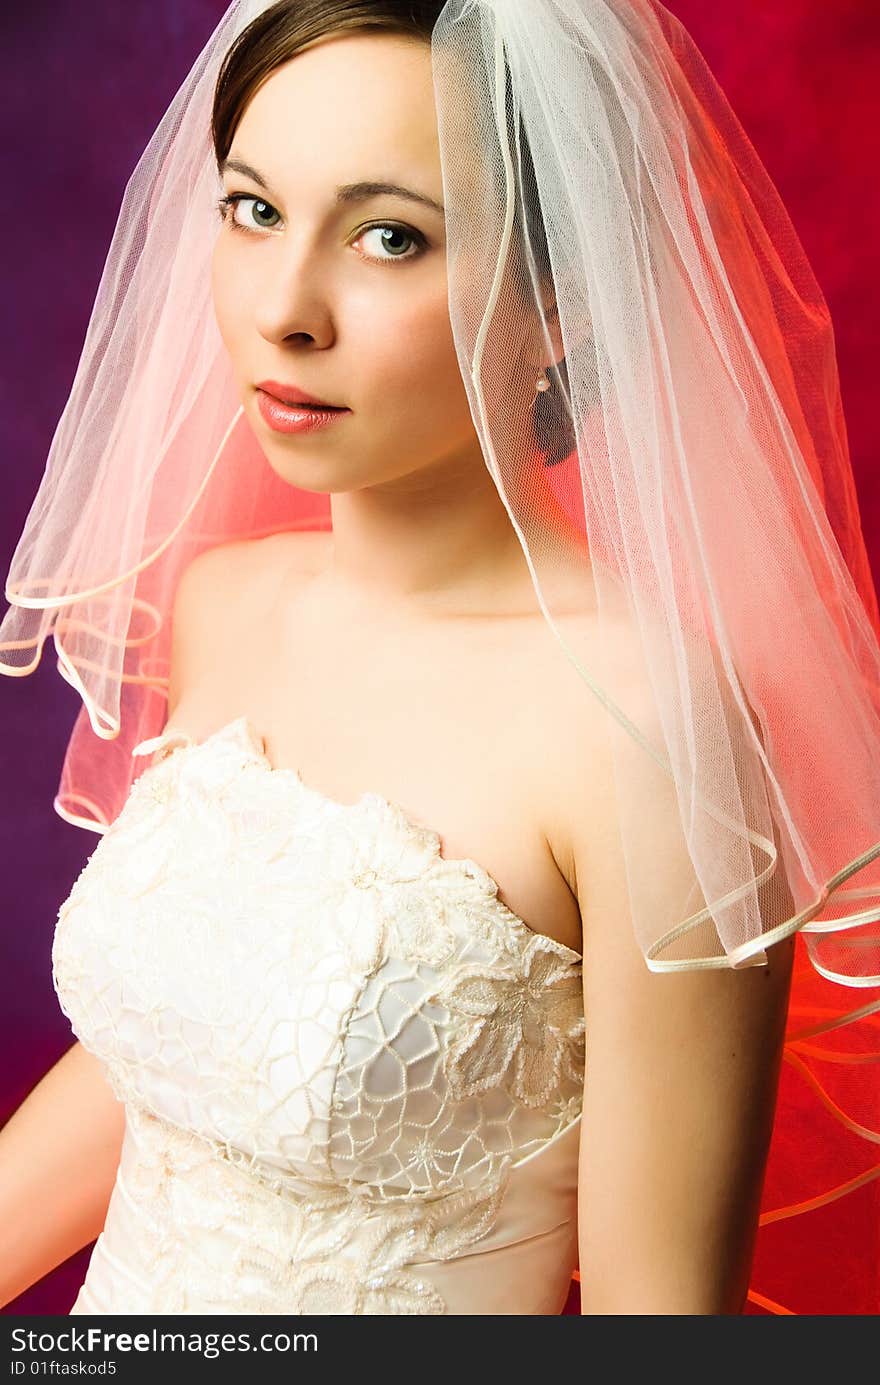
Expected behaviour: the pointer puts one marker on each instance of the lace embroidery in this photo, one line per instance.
(522, 1025)
(326, 1252)
(320, 1027)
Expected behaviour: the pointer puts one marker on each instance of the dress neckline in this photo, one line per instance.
(242, 731)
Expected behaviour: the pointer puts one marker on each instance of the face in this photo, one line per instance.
(344, 299)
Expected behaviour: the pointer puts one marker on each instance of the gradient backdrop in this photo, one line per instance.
(84, 87)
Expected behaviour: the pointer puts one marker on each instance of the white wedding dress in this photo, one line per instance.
(352, 1077)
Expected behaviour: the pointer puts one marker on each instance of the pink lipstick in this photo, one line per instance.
(289, 409)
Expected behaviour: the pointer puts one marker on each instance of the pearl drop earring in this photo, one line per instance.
(542, 383)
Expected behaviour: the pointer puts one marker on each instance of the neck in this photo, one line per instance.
(436, 539)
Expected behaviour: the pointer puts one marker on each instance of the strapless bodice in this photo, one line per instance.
(352, 1076)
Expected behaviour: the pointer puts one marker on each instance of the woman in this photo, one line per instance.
(352, 1060)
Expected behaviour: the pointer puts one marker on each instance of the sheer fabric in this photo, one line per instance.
(692, 501)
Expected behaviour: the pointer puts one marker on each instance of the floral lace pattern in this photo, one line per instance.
(328, 1251)
(326, 1035)
(520, 1025)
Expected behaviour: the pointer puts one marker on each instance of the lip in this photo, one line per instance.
(292, 394)
(296, 418)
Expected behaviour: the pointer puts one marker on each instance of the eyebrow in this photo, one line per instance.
(347, 192)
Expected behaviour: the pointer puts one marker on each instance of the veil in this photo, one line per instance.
(682, 490)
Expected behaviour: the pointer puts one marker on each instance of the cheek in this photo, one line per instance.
(229, 295)
(417, 353)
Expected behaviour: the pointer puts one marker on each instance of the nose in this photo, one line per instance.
(291, 300)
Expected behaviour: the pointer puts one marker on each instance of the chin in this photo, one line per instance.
(315, 474)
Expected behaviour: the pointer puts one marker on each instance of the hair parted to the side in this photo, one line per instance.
(285, 29)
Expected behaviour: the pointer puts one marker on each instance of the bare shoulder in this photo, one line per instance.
(598, 665)
(223, 586)
(612, 784)
(229, 568)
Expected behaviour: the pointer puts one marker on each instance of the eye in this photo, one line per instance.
(391, 233)
(227, 207)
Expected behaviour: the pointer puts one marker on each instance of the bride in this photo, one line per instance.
(357, 971)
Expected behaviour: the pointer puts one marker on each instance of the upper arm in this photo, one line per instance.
(679, 1090)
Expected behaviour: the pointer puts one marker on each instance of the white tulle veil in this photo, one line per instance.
(683, 486)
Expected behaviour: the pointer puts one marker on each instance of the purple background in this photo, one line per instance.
(85, 85)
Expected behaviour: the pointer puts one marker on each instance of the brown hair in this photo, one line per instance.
(283, 30)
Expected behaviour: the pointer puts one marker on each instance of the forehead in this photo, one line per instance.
(345, 106)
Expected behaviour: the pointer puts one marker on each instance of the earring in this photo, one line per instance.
(542, 383)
